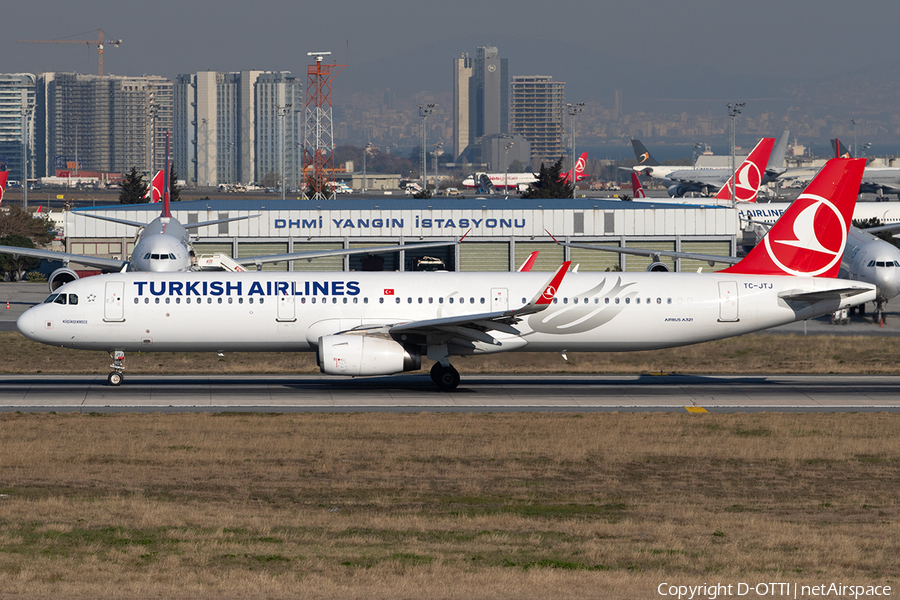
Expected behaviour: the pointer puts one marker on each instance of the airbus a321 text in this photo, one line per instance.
(384, 323)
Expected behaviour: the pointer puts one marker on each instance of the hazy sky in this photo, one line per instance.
(650, 49)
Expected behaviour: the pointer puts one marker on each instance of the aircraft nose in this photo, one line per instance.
(25, 323)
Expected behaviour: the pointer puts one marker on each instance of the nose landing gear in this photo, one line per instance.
(118, 367)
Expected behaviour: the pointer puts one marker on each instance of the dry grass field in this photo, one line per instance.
(760, 353)
(442, 505)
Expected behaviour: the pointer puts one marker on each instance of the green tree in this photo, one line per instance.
(133, 190)
(13, 265)
(549, 184)
(174, 195)
(18, 221)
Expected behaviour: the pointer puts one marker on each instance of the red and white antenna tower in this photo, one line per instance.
(318, 135)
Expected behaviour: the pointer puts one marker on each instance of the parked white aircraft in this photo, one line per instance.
(384, 323)
(514, 181)
(164, 245)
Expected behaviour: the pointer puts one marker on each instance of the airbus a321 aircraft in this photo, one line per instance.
(384, 323)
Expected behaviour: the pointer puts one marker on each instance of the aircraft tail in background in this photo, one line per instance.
(643, 155)
(4, 175)
(749, 175)
(637, 188)
(809, 238)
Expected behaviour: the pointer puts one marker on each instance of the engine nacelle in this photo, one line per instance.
(352, 355)
(676, 191)
(61, 277)
(658, 267)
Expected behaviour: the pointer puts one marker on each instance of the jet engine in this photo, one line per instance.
(61, 277)
(676, 191)
(346, 354)
(658, 267)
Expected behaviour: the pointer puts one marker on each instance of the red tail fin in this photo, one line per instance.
(3, 177)
(529, 262)
(580, 165)
(809, 238)
(167, 211)
(749, 174)
(636, 186)
(156, 187)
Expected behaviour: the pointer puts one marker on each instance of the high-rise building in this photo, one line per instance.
(229, 127)
(537, 115)
(462, 82)
(480, 97)
(102, 124)
(16, 124)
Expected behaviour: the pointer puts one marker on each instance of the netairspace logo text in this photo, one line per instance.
(772, 590)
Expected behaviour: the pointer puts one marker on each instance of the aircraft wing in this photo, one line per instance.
(186, 225)
(475, 327)
(710, 258)
(700, 179)
(216, 222)
(270, 258)
(880, 228)
(115, 220)
(818, 296)
(110, 264)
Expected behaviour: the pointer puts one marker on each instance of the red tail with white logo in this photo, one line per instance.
(809, 238)
(636, 186)
(580, 165)
(749, 174)
(3, 176)
(156, 187)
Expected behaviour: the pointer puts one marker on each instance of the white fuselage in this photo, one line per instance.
(501, 180)
(258, 311)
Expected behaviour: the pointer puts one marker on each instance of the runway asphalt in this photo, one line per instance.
(477, 393)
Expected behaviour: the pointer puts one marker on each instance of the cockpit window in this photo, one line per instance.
(147, 256)
(73, 299)
(60, 299)
(171, 257)
(51, 298)
(871, 263)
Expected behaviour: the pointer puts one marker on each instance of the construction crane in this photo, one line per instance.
(99, 41)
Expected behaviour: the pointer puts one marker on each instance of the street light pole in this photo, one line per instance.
(424, 111)
(366, 150)
(733, 111)
(506, 167)
(282, 112)
(574, 109)
(855, 151)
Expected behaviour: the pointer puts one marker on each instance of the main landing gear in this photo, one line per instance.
(118, 367)
(445, 377)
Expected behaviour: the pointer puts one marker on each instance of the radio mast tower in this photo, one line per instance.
(318, 130)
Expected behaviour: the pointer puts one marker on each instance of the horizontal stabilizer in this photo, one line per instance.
(821, 295)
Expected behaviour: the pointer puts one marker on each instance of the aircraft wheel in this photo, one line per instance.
(436, 369)
(114, 378)
(448, 378)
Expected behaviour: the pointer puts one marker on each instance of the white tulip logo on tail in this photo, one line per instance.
(820, 220)
(748, 180)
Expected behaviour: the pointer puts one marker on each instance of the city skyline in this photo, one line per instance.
(661, 57)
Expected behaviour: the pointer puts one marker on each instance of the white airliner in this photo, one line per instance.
(515, 181)
(164, 245)
(384, 323)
